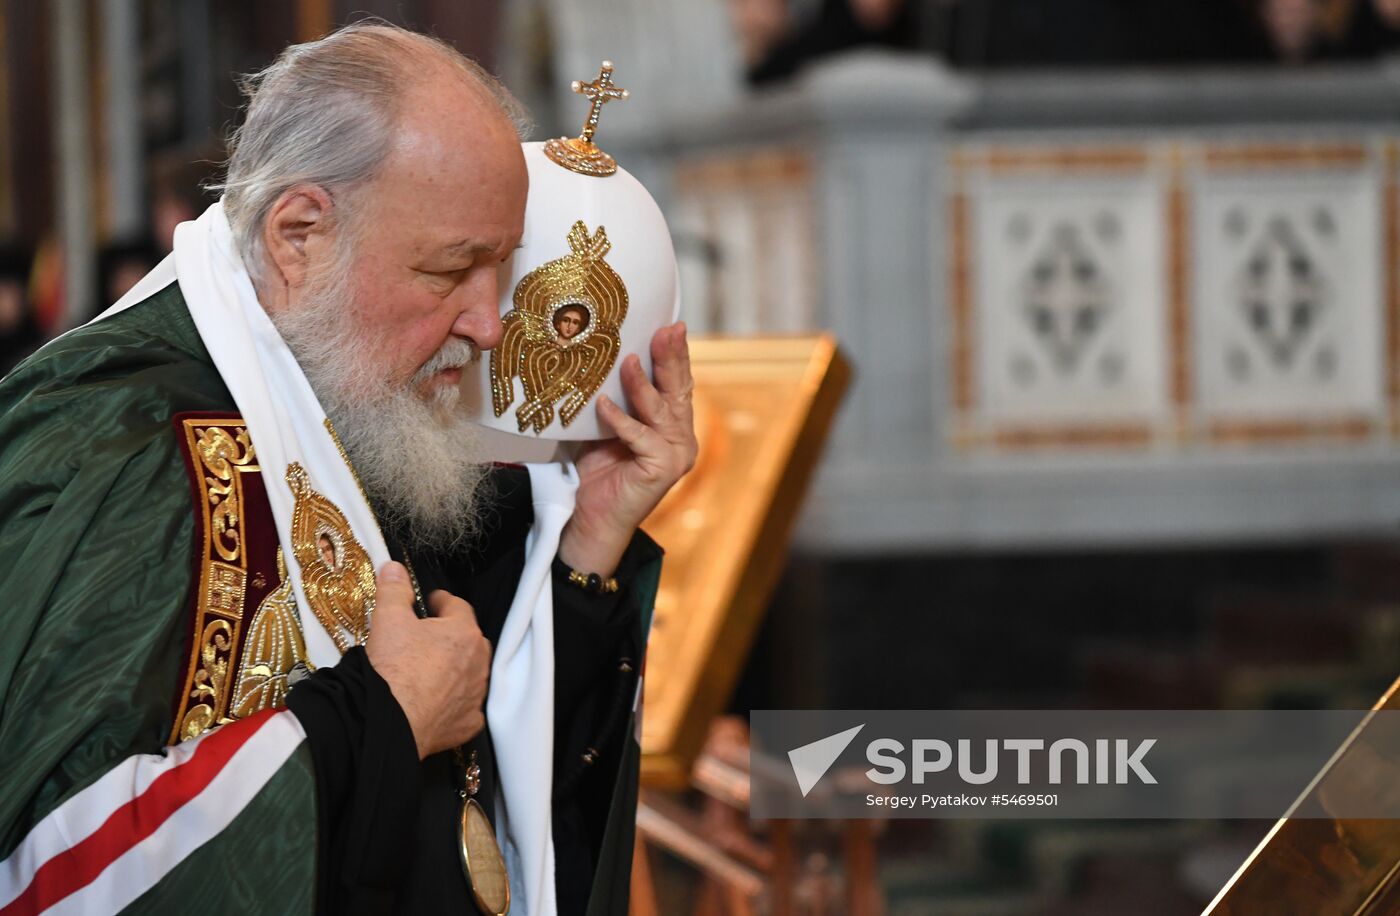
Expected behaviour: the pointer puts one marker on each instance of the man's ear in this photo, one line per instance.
(297, 230)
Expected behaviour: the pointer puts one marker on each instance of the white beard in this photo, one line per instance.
(417, 457)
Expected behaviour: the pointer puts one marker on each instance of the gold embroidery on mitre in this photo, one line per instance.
(541, 342)
(337, 575)
(222, 452)
(275, 646)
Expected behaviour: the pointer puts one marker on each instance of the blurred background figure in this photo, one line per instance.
(778, 37)
(120, 266)
(19, 333)
(1303, 30)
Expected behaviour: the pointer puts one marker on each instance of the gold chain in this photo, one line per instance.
(417, 589)
(335, 437)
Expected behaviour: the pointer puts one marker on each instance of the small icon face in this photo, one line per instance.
(327, 550)
(569, 321)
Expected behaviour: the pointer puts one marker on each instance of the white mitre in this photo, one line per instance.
(593, 280)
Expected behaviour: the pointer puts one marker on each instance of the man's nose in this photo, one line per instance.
(479, 318)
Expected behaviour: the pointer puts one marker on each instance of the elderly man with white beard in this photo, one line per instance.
(254, 567)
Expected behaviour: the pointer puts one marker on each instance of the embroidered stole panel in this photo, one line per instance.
(245, 638)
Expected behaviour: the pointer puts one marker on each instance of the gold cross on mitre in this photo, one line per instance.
(600, 92)
(580, 154)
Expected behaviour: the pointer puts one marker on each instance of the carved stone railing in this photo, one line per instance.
(1083, 309)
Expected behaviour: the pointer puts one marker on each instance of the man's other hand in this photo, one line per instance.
(437, 668)
(621, 480)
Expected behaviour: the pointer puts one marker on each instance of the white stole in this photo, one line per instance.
(286, 424)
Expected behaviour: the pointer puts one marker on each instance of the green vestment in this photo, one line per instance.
(97, 537)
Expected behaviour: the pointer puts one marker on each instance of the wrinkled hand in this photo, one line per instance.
(436, 668)
(621, 480)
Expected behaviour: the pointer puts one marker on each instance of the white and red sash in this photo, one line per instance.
(110, 843)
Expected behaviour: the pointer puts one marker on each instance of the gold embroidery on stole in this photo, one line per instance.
(224, 453)
(274, 647)
(337, 575)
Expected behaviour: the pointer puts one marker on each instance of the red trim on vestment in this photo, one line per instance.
(75, 868)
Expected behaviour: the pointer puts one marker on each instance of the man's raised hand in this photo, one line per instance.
(621, 480)
(437, 668)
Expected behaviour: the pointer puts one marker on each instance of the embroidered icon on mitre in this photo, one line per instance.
(561, 338)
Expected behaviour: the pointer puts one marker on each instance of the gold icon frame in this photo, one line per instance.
(763, 408)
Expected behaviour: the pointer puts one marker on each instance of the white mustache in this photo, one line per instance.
(454, 354)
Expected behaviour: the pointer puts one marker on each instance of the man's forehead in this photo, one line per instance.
(456, 173)
(474, 246)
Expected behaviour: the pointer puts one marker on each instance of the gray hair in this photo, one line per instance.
(323, 113)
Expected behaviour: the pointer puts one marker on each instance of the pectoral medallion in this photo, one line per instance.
(481, 857)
